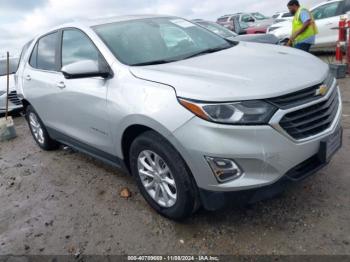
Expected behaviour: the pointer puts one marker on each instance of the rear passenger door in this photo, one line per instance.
(82, 113)
(40, 76)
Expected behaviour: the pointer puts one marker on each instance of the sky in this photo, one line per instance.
(22, 20)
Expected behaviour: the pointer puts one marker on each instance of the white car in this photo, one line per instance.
(14, 102)
(327, 16)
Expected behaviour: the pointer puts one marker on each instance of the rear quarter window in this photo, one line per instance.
(23, 53)
(32, 60)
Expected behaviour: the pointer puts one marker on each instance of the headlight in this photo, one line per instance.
(253, 112)
(2, 92)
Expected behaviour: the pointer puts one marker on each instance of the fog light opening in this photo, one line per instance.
(224, 169)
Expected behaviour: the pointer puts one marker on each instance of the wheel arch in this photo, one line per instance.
(25, 104)
(129, 135)
(135, 129)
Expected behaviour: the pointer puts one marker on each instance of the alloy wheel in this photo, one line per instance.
(36, 128)
(157, 178)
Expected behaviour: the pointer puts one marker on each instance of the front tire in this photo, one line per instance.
(162, 176)
(39, 132)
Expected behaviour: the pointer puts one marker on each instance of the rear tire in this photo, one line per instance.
(38, 130)
(159, 169)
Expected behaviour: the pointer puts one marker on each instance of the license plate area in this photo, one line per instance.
(330, 145)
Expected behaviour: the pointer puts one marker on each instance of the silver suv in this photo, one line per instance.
(195, 118)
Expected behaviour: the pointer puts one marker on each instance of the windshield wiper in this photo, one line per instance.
(208, 51)
(155, 62)
(166, 61)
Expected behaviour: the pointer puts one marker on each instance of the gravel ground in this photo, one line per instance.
(66, 203)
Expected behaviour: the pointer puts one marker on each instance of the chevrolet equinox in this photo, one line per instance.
(196, 119)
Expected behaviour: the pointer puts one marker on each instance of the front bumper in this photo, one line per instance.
(216, 200)
(265, 153)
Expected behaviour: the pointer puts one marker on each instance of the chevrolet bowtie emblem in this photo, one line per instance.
(322, 91)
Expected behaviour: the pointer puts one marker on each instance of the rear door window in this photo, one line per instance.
(44, 55)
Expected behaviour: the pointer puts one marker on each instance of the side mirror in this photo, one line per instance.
(84, 69)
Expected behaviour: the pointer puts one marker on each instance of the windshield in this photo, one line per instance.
(3, 66)
(143, 41)
(259, 16)
(218, 29)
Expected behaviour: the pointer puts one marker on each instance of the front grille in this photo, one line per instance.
(301, 97)
(14, 98)
(298, 98)
(311, 120)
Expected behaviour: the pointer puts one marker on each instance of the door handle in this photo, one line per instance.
(28, 78)
(61, 85)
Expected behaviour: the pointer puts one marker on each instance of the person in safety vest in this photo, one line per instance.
(304, 27)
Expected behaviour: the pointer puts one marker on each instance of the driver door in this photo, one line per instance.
(83, 111)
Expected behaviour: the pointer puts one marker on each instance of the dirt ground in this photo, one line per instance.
(63, 202)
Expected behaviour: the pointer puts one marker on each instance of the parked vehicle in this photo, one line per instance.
(225, 33)
(258, 22)
(14, 103)
(193, 122)
(327, 16)
(233, 23)
(255, 18)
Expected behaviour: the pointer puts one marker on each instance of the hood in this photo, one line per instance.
(246, 71)
(3, 83)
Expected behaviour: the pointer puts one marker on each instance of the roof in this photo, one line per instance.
(100, 21)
